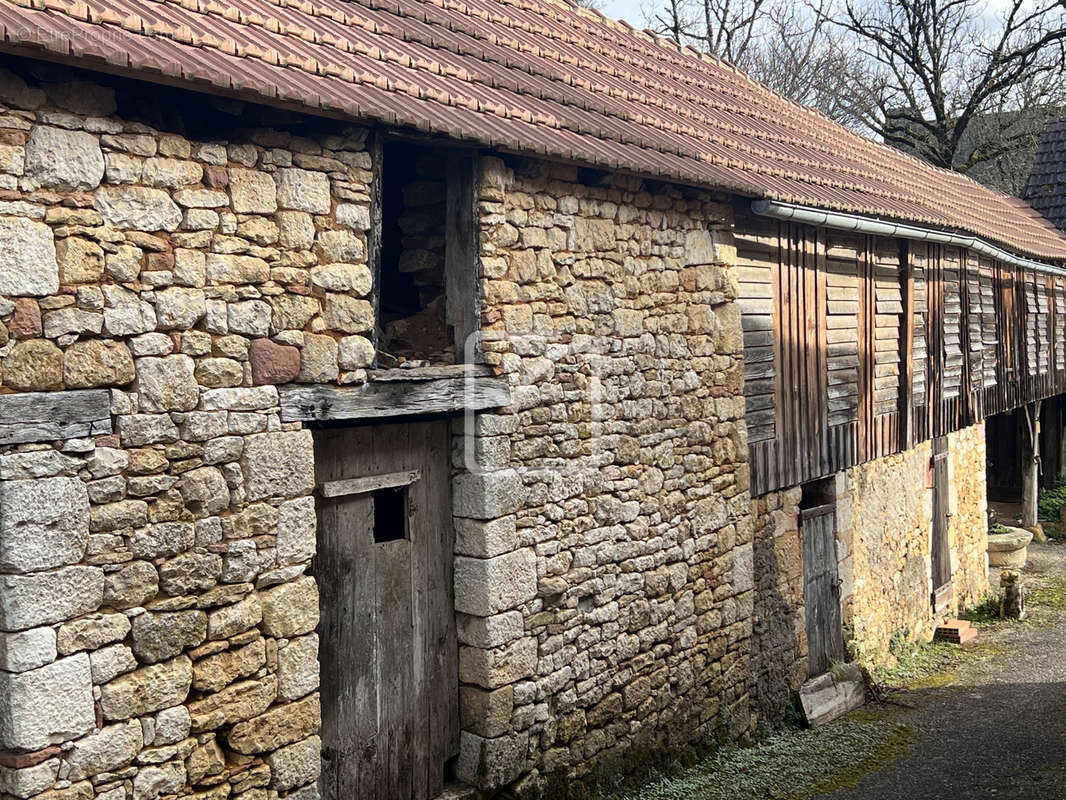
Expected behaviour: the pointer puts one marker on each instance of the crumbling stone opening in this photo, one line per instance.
(413, 245)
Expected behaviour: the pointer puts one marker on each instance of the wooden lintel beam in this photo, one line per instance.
(386, 399)
(370, 483)
(50, 416)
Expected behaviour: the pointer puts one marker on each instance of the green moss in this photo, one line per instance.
(1050, 592)
(918, 663)
(791, 765)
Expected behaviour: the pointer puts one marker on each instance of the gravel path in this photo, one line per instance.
(999, 730)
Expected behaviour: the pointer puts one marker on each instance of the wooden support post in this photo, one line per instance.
(1030, 465)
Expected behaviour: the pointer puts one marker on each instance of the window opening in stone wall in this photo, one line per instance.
(390, 514)
(426, 236)
(817, 493)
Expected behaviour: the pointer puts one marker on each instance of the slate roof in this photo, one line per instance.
(532, 76)
(1046, 187)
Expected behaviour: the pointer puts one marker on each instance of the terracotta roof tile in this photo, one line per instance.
(527, 75)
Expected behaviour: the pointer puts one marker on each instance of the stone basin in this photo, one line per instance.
(1009, 549)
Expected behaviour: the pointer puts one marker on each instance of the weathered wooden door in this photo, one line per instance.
(388, 652)
(821, 588)
(941, 546)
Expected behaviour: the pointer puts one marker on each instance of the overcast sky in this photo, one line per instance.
(629, 10)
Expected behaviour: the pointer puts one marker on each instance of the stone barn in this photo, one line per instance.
(404, 394)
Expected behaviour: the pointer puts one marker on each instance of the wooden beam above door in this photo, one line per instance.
(393, 397)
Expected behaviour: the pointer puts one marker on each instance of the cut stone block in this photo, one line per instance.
(46, 705)
(44, 523)
(831, 696)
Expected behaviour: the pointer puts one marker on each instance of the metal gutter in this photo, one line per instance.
(839, 220)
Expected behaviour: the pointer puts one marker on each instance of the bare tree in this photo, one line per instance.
(791, 47)
(947, 83)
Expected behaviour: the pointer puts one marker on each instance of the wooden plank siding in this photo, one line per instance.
(858, 346)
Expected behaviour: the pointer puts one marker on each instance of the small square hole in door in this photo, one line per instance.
(390, 514)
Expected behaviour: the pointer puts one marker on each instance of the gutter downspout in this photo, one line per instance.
(852, 222)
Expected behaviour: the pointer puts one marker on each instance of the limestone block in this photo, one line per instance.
(110, 662)
(29, 781)
(292, 312)
(72, 320)
(487, 586)
(346, 314)
(303, 190)
(172, 725)
(251, 318)
(108, 750)
(157, 637)
(353, 216)
(120, 514)
(164, 539)
(171, 172)
(44, 523)
(297, 528)
(218, 671)
(125, 314)
(485, 538)
(223, 268)
(355, 352)
(296, 230)
(491, 763)
(46, 705)
(167, 383)
(236, 618)
(279, 464)
(28, 263)
(190, 573)
(218, 373)
(132, 585)
(489, 632)
(204, 491)
(147, 689)
(97, 362)
(80, 261)
(155, 781)
(340, 247)
(27, 601)
(34, 365)
(239, 701)
(290, 609)
(178, 308)
(59, 157)
(486, 713)
(138, 208)
(298, 667)
(253, 192)
(277, 727)
(295, 765)
(136, 430)
(207, 759)
(318, 359)
(494, 668)
(27, 650)
(342, 278)
(487, 495)
(37, 464)
(91, 632)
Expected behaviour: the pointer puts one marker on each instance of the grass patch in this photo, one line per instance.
(924, 665)
(792, 765)
(985, 612)
(1049, 593)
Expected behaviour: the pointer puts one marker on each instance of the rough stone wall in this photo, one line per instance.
(779, 637)
(884, 540)
(968, 526)
(157, 622)
(605, 567)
